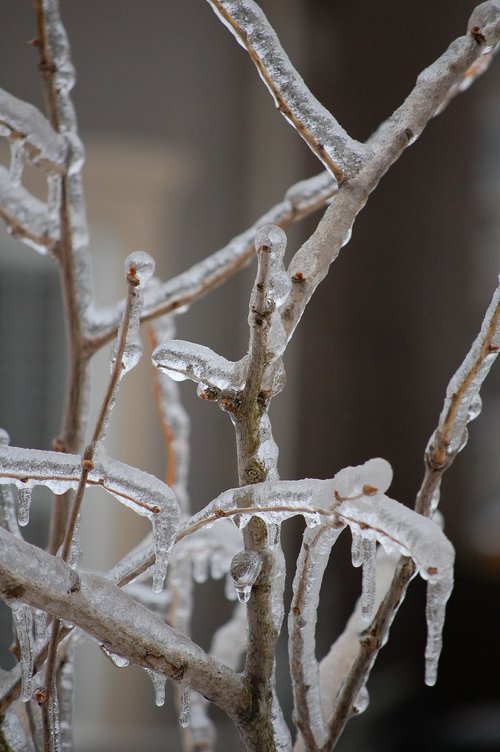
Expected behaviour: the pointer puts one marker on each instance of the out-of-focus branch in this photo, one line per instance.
(22, 121)
(341, 155)
(25, 215)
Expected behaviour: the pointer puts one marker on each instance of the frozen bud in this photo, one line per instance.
(244, 570)
(139, 267)
(272, 238)
(484, 24)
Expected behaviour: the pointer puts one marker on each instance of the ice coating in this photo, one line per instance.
(185, 706)
(244, 570)
(273, 239)
(23, 505)
(140, 491)
(330, 142)
(159, 680)
(198, 363)
(23, 621)
(40, 620)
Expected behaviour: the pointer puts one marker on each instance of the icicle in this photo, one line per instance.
(200, 567)
(23, 620)
(159, 681)
(356, 549)
(368, 586)
(40, 625)
(23, 506)
(16, 160)
(117, 660)
(244, 570)
(185, 706)
(437, 597)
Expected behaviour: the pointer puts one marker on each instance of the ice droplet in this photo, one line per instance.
(23, 621)
(475, 407)
(23, 506)
(117, 660)
(244, 570)
(185, 709)
(159, 681)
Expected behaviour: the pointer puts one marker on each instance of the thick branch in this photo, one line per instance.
(115, 619)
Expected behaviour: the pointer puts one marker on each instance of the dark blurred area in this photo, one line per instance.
(380, 339)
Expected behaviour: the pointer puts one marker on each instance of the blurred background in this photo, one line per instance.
(184, 151)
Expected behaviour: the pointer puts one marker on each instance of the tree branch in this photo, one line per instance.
(115, 619)
(341, 155)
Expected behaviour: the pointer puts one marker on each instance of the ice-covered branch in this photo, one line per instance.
(143, 493)
(114, 619)
(310, 264)
(462, 404)
(340, 154)
(177, 294)
(23, 122)
(25, 215)
(335, 666)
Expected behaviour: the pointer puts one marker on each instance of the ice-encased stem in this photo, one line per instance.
(23, 620)
(340, 154)
(313, 558)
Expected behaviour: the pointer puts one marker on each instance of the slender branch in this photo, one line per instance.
(341, 155)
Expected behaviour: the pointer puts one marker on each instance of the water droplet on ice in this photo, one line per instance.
(475, 407)
(117, 660)
(243, 592)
